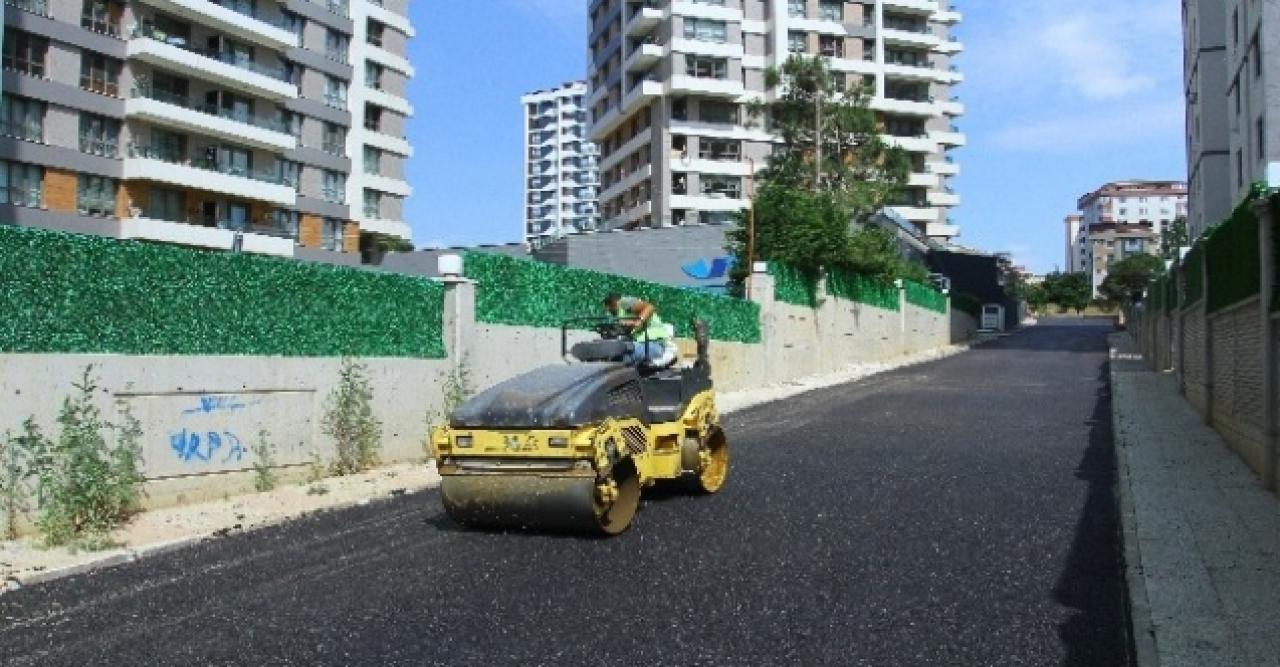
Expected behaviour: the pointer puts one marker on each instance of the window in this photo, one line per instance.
(285, 223)
(372, 204)
(705, 30)
(373, 32)
(291, 122)
(290, 173)
(831, 10)
(101, 16)
(1235, 27)
(335, 92)
(235, 160)
(96, 195)
(704, 67)
(99, 135)
(335, 187)
(373, 118)
(795, 8)
(372, 160)
(335, 139)
(21, 184)
(719, 149)
(331, 234)
(166, 204)
(1239, 169)
(1236, 93)
(831, 46)
(373, 74)
(1257, 59)
(710, 111)
(336, 45)
(99, 73)
(720, 186)
(24, 52)
(797, 42)
(679, 109)
(22, 118)
(292, 22)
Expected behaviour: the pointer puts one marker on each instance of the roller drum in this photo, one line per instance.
(536, 501)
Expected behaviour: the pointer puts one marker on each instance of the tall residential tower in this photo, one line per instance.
(274, 127)
(561, 177)
(670, 80)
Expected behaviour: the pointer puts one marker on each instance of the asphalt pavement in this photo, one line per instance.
(959, 512)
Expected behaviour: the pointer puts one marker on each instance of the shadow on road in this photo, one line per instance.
(1056, 335)
(1092, 582)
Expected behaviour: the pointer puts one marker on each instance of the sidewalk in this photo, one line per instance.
(1202, 537)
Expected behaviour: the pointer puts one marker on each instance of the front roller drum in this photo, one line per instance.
(576, 503)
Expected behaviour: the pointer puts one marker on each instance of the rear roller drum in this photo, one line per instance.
(713, 463)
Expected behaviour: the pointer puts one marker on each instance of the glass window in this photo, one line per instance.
(290, 173)
(706, 67)
(292, 22)
(166, 204)
(96, 195)
(99, 135)
(705, 30)
(373, 32)
(720, 186)
(797, 42)
(373, 75)
(372, 204)
(99, 73)
(335, 187)
(719, 149)
(831, 10)
(336, 45)
(285, 223)
(795, 8)
(21, 184)
(372, 160)
(235, 160)
(101, 16)
(335, 139)
(331, 234)
(373, 118)
(335, 92)
(24, 52)
(22, 118)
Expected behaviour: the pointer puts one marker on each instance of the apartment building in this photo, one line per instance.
(1233, 103)
(670, 81)
(269, 127)
(1075, 263)
(561, 175)
(1120, 219)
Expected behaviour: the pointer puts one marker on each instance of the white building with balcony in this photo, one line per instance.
(561, 174)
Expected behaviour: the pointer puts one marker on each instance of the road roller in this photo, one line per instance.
(570, 447)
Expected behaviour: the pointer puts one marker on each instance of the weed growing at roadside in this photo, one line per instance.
(264, 460)
(350, 421)
(456, 388)
(18, 457)
(316, 469)
(87, 486)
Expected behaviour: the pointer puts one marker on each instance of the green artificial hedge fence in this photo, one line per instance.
(69, 293)
(1231, 258)
(852, 286)
(925, 296)
(527, 293)
(1192, 271)
(793, 286)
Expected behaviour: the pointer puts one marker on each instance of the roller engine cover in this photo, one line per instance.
(555, 397)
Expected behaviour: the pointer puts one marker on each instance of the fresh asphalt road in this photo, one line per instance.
(954, 513)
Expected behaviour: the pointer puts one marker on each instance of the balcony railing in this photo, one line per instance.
(174, 156)
(276, 229)
(338, 7)
(247, 9)
(230, 58)
(169, 97)
(40, 7)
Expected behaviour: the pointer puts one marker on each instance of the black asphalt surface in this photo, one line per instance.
(954, 513)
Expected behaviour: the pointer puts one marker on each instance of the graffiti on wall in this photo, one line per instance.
(216, 444)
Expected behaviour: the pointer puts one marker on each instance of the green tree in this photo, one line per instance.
(1037, 296)
(831, 168)
(1127, 278)
(1070, 291)
(1175, 237)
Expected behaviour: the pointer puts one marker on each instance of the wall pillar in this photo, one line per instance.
(459, 318)
(1266, 294)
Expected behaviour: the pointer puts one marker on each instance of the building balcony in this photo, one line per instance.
(952, 138)
(219, 238)
(179, 113)
(631, 216)
(711, 49)
(386, 58)
(913, 144)
(950, 46)
(708, 203)
(644, 56)
(703, 10)
(397, 228)
(923, 108)
(921, 214)
(729, 166)
(943, 168)
(910, 38)
(148, 164)
(383, 15)
(395, 186)
(938, 230)
(947, 17)
(397, 145)
(393, 102)
(916, 6)
(641, 19)
(951, 108)
(944, 198)
(925, 180)
(633, 144)
(724, 88)
(915, 71)
(238, 19)
(636, 177)
(152, 48)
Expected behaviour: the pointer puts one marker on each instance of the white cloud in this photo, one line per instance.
(1089, 128)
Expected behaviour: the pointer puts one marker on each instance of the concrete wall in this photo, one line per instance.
(201, 416)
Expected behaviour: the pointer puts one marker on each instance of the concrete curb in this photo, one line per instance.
(1141, 628)
(132, 554)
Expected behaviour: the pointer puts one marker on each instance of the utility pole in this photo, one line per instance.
(817, 136)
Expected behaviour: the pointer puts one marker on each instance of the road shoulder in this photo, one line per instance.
(1201, 535)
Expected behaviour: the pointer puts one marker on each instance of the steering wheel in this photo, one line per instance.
(613, 330)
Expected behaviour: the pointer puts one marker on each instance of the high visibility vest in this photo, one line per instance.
(656, 329)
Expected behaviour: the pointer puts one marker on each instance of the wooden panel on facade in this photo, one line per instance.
(309, 231)
(351, 237)
(60, 188)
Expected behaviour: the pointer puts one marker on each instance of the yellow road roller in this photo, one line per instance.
(570, 447)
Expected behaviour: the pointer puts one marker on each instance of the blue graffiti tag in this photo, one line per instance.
(209, 404)
(196, 446)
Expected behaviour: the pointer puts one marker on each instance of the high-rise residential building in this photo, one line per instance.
(272, 127)
(1075, 256)
(670, 81)
(1120, 219)
(1233, 103)
(561, 177)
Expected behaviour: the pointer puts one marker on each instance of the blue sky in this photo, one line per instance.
(1060, 97)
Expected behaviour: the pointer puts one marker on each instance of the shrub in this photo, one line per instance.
(264, 461)
(350, 421)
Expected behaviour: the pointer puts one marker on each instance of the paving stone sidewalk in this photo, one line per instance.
(1202, 537)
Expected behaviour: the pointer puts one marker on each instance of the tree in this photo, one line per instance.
(831, 168)
(1127, 278)
(1037, 296)
(1175, 237)
(1071, 291)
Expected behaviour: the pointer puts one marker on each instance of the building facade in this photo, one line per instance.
(670, 81)
(1120, 219)
(1233, 103)
(1075, 259)
(269, 127)
(561, 176)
